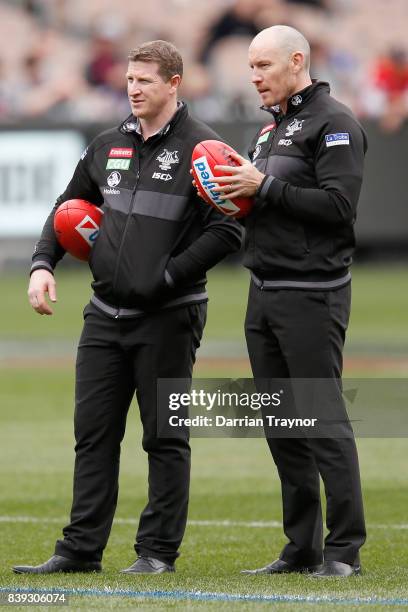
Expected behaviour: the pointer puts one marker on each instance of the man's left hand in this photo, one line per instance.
(239, 181)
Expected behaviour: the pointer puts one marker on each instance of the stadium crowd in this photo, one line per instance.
(65, 61)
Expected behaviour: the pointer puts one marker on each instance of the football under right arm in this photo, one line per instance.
(48, 251)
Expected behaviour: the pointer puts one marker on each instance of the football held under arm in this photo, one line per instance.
(48, 250)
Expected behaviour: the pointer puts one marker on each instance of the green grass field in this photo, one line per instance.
(234, 483)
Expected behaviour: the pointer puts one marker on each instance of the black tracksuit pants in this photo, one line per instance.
(117, 357)
(300, 334)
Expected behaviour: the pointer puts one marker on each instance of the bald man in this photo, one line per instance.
(305, 173)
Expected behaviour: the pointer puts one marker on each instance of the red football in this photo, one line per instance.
(76, 225)
(206, 155)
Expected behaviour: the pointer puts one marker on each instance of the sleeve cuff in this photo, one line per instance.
(40, 264)
(264, 186)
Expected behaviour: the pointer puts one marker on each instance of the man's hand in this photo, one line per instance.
(240, 181)
(196, 188)
(42, 282)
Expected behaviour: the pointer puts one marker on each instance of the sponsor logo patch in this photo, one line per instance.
(285, 142)
(295, 126)
(114, 179)
(333, 140)
(161, 176)
(296, 100)
(130, 126)
(88, 229)
(256, 152)
(118, 164)
(167, 158)
(263, 138)
(205, 177)
(111, 191)
(120, 152)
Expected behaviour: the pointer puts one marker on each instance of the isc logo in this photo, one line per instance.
(162, 176)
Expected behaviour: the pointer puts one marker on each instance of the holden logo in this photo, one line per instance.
(114, 179)
(167, 158)
(296, 100)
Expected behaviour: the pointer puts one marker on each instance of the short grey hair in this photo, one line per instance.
(288, 39)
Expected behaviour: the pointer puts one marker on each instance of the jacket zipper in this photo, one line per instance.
(267, 157)
(274, 136)
(115, 278)
(306, 247)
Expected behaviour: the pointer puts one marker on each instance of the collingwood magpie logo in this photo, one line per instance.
(167, 158)
(293, 127)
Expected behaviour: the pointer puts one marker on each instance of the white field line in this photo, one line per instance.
(209, 596)
(193, 523)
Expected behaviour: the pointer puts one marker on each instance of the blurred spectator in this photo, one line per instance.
(5, 98)
(35, 9)
(115, 92)
(388, 90)
(238, 20)
(391, 74)
(37, 94)
(63, 60)
(104, 56)
(319, 4)
(105, 74)
(222, 59)
(339, 67)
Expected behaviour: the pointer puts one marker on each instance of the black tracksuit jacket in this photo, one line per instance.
(300, 233)
(157, 238)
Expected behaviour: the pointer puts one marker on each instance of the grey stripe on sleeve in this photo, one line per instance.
(40, 265)
(265, 187)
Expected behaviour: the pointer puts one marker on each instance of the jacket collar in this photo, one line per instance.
(298, 100)
(132, 123)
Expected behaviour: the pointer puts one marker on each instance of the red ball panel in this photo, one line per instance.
(206, 155)
(76, 225)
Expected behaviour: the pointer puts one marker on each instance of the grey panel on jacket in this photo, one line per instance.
(117, 201)
(160, 205)
(291, 168)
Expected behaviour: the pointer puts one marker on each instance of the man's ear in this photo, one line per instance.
(175, 81)
(298, 62)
